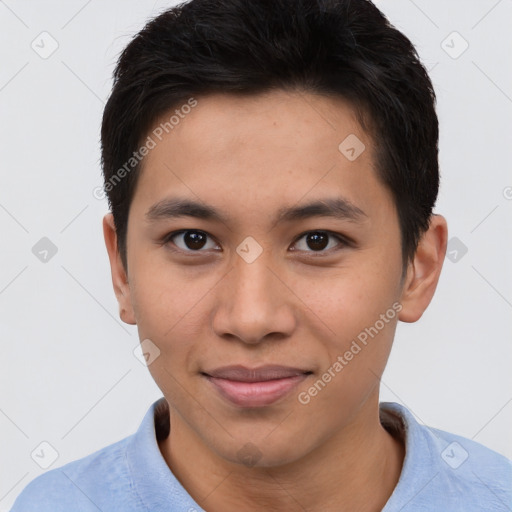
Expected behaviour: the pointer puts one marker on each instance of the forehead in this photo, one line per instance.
(261, 150)
(281, 120)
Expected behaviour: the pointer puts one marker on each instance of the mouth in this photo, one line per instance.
(256, 387)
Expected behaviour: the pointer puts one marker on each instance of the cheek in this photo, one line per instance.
(359, 313)
(348, 301)
(167, 313)
(356, 357)
(167, 306)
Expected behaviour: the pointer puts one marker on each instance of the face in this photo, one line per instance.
(259, 257)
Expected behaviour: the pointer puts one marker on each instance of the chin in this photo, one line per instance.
(262, 454)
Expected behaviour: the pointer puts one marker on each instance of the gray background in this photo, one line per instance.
(68, 375)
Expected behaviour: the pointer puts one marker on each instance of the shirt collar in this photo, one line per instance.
(158, 489)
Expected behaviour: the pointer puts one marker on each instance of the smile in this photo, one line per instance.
(257, 387)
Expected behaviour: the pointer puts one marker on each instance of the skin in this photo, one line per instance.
(248, 157)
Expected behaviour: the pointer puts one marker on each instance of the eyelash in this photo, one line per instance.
(343, 241)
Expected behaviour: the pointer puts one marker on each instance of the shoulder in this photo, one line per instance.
(446, 470)
(477, 473)
(87, 484)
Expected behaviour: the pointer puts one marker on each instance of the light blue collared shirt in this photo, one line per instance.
(442, 472)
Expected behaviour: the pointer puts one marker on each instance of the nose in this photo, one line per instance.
(254, 304)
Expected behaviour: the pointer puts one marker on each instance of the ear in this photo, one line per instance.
(119, 275)
(424, 271)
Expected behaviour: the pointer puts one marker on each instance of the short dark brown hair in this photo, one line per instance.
(343, 48)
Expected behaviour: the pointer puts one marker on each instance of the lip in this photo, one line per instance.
(255, 387)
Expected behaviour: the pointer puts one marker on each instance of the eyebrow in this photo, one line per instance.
(336, 207)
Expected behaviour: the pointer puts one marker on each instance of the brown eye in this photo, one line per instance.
(194, 239)
(191, 240)
(318, 241)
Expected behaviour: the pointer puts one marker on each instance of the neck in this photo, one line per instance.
(335, 476)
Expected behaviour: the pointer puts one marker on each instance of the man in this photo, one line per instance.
(271, 168)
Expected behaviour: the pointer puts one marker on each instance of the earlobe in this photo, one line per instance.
(424, 271)
(119, 275)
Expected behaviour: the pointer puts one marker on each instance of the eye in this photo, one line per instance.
(191, 240)
(319, 241)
